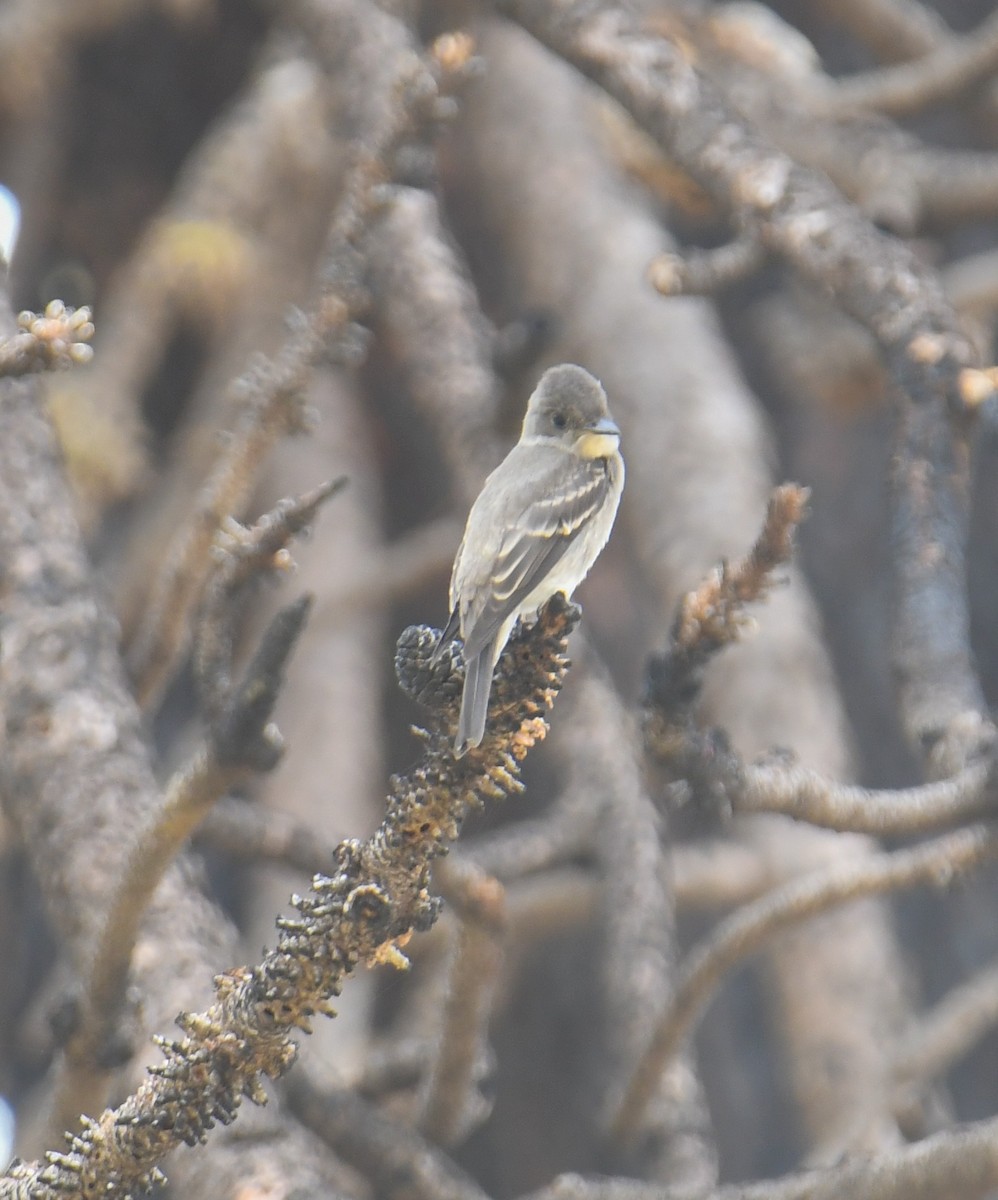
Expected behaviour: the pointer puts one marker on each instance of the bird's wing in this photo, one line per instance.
(538, 527)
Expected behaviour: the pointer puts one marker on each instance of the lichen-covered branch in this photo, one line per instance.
(365, 911)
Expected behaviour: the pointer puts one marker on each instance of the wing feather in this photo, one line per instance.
(538, 526)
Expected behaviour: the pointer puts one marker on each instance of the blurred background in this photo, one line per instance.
(179, 165)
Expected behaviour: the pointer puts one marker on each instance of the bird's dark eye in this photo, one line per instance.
(559, 420)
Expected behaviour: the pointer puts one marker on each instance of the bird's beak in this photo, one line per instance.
(600, 439)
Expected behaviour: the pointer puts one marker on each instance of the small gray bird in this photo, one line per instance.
(537, 527)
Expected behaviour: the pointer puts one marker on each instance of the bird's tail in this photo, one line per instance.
(475, 699)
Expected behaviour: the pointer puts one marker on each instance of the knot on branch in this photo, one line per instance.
(369, 904)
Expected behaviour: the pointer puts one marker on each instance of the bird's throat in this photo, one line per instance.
(597, 445)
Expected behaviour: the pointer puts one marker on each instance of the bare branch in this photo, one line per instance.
(894, 30)
(701, 272)
(944, 1034)
(808, 796)
(376, 899)
(452, 1105)
(935, 863)
(712, 616)
(955, 64)
(253, 834)
(401, 1164)
(240, 554)
(959, 1162)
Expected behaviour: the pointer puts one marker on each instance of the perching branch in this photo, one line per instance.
(365, 911)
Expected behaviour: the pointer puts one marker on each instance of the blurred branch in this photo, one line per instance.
(950, 67)
(893, 29)
(240, 555)
(241, 741)
(247, 832)
(717, 874)
(935, 863)
(402, 567)
(452, 1106)
(896, 178)
(424, 298)
(398, 1161)
(365, 912)
(879, 281)
(637, 942)
(808, 796)
(942, 1036)
(703, 272)
(565, 832)
(274, 397)
(959, 1162)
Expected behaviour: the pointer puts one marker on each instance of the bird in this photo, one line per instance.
(538, 525)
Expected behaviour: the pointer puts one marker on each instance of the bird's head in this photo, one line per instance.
(570, 405)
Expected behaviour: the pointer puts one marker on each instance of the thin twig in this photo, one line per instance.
(943, 1035)
(809, 796)
(712, 616)
(250, 833)
(943, 73)
(704, 272)
(240, 554)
